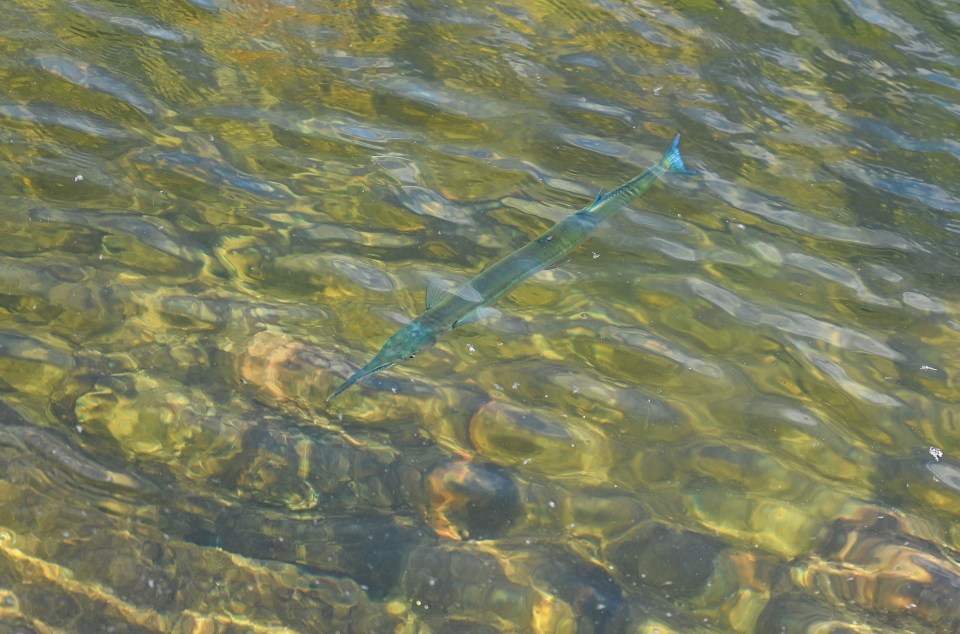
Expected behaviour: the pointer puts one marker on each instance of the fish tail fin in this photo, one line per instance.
(673, 161)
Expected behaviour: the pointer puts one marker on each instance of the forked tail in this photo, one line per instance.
(673, 162)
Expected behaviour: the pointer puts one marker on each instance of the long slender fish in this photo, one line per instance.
(448, 309)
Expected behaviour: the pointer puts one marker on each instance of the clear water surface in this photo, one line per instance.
(733, 410)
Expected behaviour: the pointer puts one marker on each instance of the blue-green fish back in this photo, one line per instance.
(449, 310)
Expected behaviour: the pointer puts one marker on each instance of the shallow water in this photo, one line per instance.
(733, 408)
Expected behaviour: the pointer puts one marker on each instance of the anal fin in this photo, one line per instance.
(483, 312)
(437, 291)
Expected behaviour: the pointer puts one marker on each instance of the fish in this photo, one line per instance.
(449, 309)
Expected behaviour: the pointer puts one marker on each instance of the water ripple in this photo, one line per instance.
(836, 371)
(215, 209)
(152, 232)
(766, 16)
(443, 98)
(827, 269)
(212, 172)
(98, 79)
(789, 321)
(645, 341)
(131, 23)
(898, 183)
(777, 212)
(52, 115)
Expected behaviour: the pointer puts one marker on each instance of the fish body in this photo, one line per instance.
(448, 309)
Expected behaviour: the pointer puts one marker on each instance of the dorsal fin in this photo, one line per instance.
(436, 292)
(599, 196)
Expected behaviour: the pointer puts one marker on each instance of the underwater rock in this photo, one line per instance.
(512, 436)
(366, 547)
(666, 560)
(798, 614)
(289, 372)
(287, 468)
(596, 598)
(284, 369)
(471, 501)
(451, 581)
(870, 561)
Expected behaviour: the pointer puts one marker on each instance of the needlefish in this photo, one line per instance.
(448, 309)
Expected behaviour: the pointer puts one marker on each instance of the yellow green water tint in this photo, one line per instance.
(732, 410)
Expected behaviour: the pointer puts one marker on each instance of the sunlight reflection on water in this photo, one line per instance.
(716, 416)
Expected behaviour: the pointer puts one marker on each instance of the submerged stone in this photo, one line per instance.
(472, 501)
(509, 435)
(670, 561)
